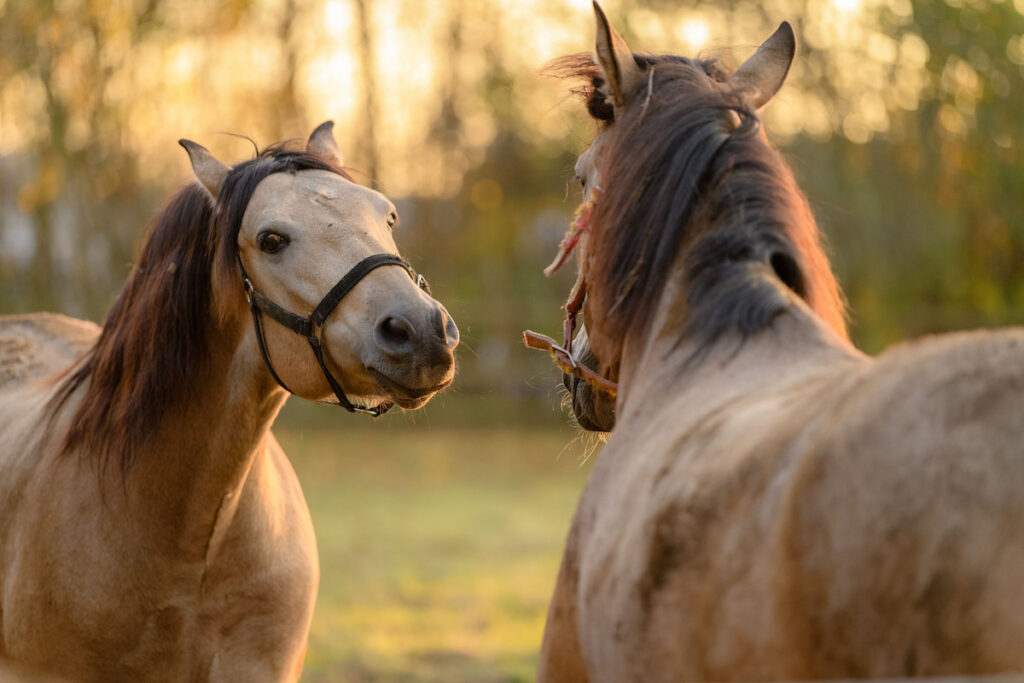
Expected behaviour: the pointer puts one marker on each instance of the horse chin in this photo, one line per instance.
(413, 404)
(409, 398)
(375, 403)
(594, 410)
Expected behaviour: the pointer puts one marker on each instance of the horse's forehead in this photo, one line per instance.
(308, 194)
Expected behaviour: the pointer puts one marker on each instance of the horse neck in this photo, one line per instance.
(730, 297)
(192, 472)
(797, 347)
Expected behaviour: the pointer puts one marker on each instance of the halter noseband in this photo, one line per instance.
(312, 327)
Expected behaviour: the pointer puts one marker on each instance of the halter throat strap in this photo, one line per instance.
(312, 327)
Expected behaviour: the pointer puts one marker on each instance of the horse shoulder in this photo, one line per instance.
(263, 615)
(689, 573)
(625, 553)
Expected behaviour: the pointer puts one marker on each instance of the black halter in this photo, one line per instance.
(311, 327)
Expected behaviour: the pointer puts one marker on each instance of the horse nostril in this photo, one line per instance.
(451, 332)
(445, 328)
(394, 334)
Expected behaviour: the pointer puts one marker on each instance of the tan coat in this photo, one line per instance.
(771, 504)
(799, 511)
(148, 584)
(190, 555)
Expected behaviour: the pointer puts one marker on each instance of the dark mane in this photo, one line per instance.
(155, 338)
(677, 177)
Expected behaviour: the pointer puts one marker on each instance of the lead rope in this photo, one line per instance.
(562, 354)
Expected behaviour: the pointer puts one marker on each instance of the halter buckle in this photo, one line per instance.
(568, 354)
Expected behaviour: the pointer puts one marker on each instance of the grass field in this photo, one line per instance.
(438, 546)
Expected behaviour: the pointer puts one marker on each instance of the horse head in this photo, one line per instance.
(335, 310)
(663, 123)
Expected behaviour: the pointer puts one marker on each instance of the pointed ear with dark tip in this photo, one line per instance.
(209, 171)
(621, 74)
(321, 143)
(761, 76)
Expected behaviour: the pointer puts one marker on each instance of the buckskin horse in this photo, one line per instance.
(151, 527)
(771, 503)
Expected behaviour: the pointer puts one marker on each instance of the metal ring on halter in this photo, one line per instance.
(572, 361)
(311, 327)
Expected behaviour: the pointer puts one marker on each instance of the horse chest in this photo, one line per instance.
(107, 630)
(125, 611)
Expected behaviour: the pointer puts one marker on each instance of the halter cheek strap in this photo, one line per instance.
(312, 327)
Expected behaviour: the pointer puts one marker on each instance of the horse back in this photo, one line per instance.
(911, 517)
(34, 350)
(39, 345)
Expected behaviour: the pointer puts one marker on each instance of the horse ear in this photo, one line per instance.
(761, 76)
(621, 73)
(321, 143)
(209, 171)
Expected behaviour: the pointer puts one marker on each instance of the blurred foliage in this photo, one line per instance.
(901, 118)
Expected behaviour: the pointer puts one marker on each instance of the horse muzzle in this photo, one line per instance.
(413, 361)
(593, 409)
(413, 354)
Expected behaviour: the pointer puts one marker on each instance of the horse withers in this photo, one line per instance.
(771, 504)
(151, 527)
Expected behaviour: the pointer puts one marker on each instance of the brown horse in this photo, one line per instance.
(151, 527)
(771, 504)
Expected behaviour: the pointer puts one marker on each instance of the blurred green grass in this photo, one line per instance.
(439, 544)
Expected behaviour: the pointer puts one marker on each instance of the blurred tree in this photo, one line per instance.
(899, 118)
(927, 218)
(369, 75)
(288, 109)
(74, 152)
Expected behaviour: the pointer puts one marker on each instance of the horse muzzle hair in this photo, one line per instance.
(593, 408)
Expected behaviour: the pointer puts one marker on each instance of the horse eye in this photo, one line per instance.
(581, 181)
(271, 242)
(392, 219)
